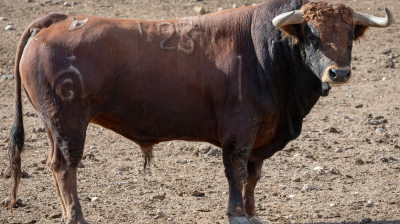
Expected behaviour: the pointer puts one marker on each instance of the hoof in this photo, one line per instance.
(256, 220)
(239, 220)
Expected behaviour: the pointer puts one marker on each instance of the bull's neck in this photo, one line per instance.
(291, 88)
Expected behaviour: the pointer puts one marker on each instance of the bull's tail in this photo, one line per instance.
(17, 135)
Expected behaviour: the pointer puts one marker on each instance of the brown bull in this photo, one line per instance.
(232, 79)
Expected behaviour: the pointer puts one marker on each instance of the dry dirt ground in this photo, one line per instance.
(353, 135)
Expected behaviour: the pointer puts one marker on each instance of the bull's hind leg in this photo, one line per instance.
(63, 161)
(254, 173)
(53, 153)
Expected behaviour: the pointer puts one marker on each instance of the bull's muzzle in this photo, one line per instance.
(336, 75)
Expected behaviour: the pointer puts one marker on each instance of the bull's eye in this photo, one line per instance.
(313, 40)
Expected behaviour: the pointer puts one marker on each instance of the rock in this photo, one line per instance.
(359, 105)
(387, 51)
(254, 4)
(379, 131)
(297, 179)
(307, 187)
(122, 183)
(200, 10)
(198, 194)
(204, 148)
(384, 79)
(318, 168)
(332, 205)
(337, 150)
(94, 199)
(349, 95)
(234, 6)
(388, 63)
(81, 165)
(29, 0)
(159, 214)
(213, 152)
(359, 162)
(3, 19)
(7, 77)
(384, 159)
(220, 9)
(47, 1)
(55, 215)
(39, 130)
(66, 4)
(7, 173)
(9, 27)
(93, 147)
(43, 161)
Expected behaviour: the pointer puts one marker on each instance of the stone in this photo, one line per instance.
(55, 215)
(384, 159)
(349, 95)
(337, 150)
(307, 187)
(234, 6)
(200, 10)
(94, 199)
(198, 194)
(387, 51)
(359, 162)
(39, 130)
(7, 77)
(379, 131)
(9, 27)
(318, 168)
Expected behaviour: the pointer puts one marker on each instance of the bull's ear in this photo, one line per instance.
(359, 31)
(293, 31)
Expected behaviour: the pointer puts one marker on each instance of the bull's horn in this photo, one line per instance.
(288, 18)
(369, 20)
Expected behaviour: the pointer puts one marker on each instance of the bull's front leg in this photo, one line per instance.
(254, 173)
(235, 158)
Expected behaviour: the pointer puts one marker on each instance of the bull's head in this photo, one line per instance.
(325, 33)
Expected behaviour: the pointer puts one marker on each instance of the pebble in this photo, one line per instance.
(307, 187)
(47, 1)
(359, 105)
(94, 199)
(332, 205)
(384, 79)
(7, 77)
(38, 130)
(66, 4)
(9, 27)
(93, 147)
(213, 152)
(200, 10)
(29, 0)
(122, 183)
(205, 148)
(220, 9)
(349, 95)
(318, 168)
(337, 150)
(359, 162)
(3, 18)
(384, 159)
(159, 214)
(379, 131)
(254, 4)
(198, 194)
(55, 215)
(234, 6)
(387, 51)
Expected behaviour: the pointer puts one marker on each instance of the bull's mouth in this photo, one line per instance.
(325, 89)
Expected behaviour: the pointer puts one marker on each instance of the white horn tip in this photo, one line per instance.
(279, 20)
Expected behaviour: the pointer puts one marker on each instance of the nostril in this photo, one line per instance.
(332, 74)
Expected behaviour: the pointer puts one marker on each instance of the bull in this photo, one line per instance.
(241, 79)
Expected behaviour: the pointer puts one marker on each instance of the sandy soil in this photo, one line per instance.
(353, 135)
